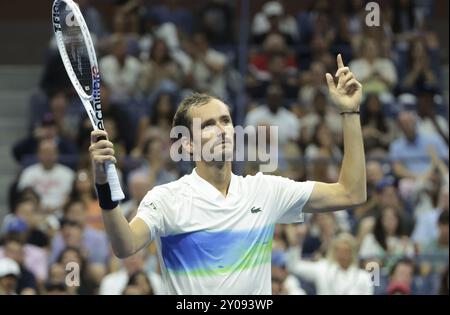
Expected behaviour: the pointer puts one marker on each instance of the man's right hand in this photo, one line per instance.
(101, 150)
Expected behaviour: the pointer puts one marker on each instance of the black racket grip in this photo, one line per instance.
(99, 138)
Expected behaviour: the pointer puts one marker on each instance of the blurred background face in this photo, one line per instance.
(324, 136)
(318, 71)
(14, 250)
(164, 106)
(200, 42)
(274, 97)
(389, 197)
(407, 123)
(419, 51)
(76, 212)
(47, 154)
(71, 234)
(276, 65)
(120, 23)
(159, 51)
(119, 49)
(154, 152)
(71, 256)
(57, 273)
(139, 186)
(104, 97)
(134, 263)
(26, 211)
(58, 104)
(370, 49)
(326, 223)
(343, 254)
(443, 233)
(274, 43)
(425, 104)
(373, 104)
(83, 182)
(403, 274)
(111, 128)
(374, 172)
(320, 103)
(390, 221)
(142, 282)
(8, 284)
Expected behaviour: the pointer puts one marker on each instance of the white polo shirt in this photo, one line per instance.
(209, 244)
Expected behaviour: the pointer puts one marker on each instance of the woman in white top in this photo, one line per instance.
(338, 274)
(387, 240)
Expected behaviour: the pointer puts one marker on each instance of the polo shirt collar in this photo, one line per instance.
(212, 191)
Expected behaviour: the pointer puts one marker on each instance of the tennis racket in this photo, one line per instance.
(78, 56)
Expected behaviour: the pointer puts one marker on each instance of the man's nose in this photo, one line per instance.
(220, 129)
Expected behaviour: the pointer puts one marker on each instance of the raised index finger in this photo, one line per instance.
(340, 63)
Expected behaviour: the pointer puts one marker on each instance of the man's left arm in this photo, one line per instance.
(350, 190)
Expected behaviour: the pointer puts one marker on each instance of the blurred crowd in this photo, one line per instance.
(151, 56)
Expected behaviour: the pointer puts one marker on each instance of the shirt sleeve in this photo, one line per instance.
(289, 198)
(150, 211)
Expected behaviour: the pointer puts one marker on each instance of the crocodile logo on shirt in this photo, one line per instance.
(150, 204)
(255, 210)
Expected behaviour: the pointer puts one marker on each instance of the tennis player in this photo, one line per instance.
(214, 229)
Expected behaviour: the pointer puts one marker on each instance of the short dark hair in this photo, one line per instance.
(403, 261)
(181, 117)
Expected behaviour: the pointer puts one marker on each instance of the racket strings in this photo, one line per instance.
(77, 51)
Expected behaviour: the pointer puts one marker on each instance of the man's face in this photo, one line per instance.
(215, 141)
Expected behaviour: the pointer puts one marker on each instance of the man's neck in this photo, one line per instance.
(217, 174)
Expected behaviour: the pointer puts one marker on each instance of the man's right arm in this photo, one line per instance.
(126, 238)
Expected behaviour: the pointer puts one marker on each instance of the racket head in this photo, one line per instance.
(78, 55)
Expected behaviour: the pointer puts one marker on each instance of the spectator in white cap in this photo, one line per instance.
(9, 272)
(272, 19)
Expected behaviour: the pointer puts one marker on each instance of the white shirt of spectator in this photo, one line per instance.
(208, 243)
(120, 79)
(362, 69)
(114, 283)
(261, 23)
(329, 278)
(288, 124)
(370, 248)
(426, 126)
(332, 119)
(52, 186)
(205, 79)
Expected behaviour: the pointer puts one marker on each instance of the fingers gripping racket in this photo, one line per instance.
(78, 55)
